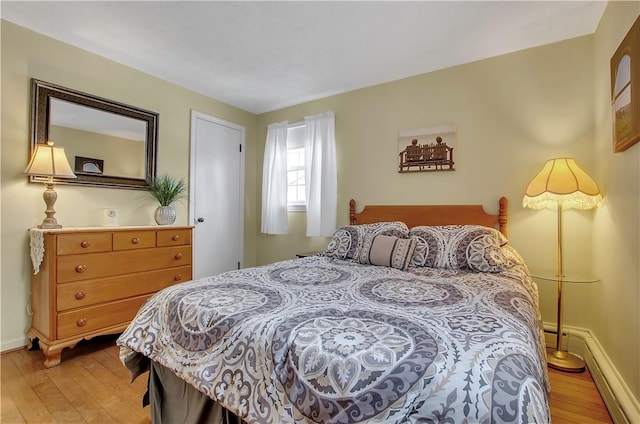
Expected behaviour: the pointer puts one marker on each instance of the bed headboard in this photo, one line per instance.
(414, 215)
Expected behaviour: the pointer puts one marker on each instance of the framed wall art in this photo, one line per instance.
(625, 90)
(427, 149)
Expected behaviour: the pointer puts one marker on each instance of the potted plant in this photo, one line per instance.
(166, 190)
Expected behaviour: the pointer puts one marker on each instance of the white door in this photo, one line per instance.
(216, 194)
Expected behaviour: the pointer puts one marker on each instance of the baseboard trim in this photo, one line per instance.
(13, 345)
(622, 405)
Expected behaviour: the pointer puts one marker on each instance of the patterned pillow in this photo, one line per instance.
(347, 241)
(459, 247)
(387, 251)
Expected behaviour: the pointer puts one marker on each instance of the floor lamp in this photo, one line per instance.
(49, 162)
(562, 185)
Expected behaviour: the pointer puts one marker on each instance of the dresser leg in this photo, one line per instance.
(52, 354)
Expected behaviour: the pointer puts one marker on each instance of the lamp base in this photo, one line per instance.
(50, 197)
(49, 226)
(564, 361)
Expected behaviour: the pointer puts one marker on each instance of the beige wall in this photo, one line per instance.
(511, 112)
(27, 55)
(614, 305)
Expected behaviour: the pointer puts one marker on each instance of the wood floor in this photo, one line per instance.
(92, 386)
(89, 386)
(575, 399)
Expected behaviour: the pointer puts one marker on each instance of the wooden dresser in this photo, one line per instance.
(92, 281)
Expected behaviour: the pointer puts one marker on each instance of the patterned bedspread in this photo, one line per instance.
(332, 341)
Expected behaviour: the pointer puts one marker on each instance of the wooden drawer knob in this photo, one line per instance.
(178, 277)
(81, 322)
(81, 268)
(85, 244)
(81, 295)
(178, 256)
(135, 240)
(175, 238)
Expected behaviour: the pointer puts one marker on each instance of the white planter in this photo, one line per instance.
(165, 215)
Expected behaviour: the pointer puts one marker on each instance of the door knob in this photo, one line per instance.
(200, 219)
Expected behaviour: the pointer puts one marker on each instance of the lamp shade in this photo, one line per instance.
(49, 161)
(562, 183)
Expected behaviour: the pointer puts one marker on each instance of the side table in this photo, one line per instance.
(558, 358)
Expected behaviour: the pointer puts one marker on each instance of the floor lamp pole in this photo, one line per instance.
(560, 276)
(559, 359)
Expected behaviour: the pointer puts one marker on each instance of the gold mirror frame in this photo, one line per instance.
(42, 94)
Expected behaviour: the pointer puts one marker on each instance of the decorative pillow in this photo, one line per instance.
(459, 247)
(347, 241)
(387, 251)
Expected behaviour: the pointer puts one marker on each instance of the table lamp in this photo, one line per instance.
(562, 184)
(49, 162)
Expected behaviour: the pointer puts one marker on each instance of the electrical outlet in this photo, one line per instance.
(110, 217)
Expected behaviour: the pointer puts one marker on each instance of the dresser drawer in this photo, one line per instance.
(98, 265)
(86, 320)
(134, 240)
(173, 237)
(71, 244)
(91, 292)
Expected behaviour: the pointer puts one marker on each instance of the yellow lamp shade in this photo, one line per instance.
(49, 161)
(562, 183)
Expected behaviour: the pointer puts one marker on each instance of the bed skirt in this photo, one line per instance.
(172, 400)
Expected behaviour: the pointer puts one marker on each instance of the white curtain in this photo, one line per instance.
(321, 174)
(274, 181)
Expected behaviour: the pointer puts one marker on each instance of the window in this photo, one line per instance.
(291, 152)
(296, 185)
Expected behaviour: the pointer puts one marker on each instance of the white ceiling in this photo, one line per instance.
(265, 55)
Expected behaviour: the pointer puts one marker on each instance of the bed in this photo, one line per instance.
(412, 314)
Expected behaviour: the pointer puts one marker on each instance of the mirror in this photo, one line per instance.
(108, 144)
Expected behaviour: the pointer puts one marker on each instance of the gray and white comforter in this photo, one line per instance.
(321, 340)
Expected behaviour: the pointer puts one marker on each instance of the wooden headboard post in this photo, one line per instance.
(414, 215)
(352, 212)
(502, 215)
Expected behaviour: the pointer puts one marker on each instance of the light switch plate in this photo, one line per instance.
(110, 217)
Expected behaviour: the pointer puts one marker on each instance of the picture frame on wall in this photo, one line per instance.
(625, 90)
(427, 149)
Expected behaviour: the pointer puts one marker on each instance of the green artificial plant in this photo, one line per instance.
(167, 189)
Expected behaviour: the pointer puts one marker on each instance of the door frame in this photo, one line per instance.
(195, 115)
